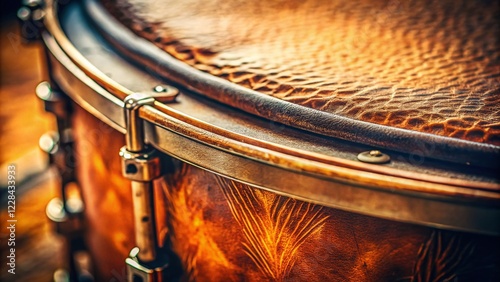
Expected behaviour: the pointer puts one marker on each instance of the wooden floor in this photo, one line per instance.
(22, 121)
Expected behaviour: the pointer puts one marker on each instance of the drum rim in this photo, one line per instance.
(380, 136)
(115, 92)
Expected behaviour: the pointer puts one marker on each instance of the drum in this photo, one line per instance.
(280, 141)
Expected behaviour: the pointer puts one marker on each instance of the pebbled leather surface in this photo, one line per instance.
(421, 65)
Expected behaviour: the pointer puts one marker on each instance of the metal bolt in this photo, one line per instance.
(165, 93)
(373, 157)
(30, 17)
(49, 142)
(44, 91)
(24, 13)
(74, 205)
(55, 210)
(53, 100)
(159, 89)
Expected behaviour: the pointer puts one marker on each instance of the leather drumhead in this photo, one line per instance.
(425, 66)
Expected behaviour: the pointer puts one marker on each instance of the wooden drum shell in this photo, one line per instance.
(222, 230)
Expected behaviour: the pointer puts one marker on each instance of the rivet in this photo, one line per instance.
(373, 157)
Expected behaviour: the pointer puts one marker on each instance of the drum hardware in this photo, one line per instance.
(138, 272)
(31, 16)
(59, 146)
(65, 212)
(172, 92)
(374, 157)
(141, 165)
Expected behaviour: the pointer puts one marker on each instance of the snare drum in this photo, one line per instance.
(282, 141)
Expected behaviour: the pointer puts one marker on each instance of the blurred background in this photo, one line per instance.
(22, 122)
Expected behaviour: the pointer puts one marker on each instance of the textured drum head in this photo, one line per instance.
(426, 66)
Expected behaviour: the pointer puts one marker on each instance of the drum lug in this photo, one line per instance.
(141, 165)
(30, 17)
(66, 211)
(67, 217)
(54, 102)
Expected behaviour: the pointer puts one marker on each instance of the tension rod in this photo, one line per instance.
(141, 165)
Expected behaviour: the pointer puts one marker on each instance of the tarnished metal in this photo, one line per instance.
(135, 131)
(166, 93)
(141, 165)
(134, 139)
(374, 157)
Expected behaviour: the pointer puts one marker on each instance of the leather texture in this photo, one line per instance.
(428, 66)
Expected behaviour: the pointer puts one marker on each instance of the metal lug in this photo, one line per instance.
(49, 144)
(57, 151)
(141, 165)
(67, 217)
(31, 16)
(54, 102)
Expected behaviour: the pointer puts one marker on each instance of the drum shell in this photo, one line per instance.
(223, 230)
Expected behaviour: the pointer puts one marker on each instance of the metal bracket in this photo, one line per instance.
(140, 272)
(141, 165)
